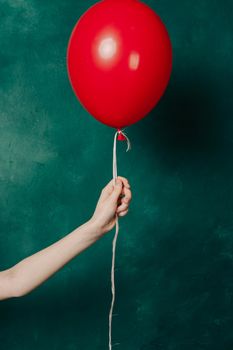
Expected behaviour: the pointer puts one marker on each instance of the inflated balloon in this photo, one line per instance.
(119, 61)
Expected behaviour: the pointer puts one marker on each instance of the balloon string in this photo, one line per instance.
(114, 170)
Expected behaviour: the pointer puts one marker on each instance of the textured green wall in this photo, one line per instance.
(174, 257)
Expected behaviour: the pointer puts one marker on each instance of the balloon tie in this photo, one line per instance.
(118, 132)
(121, 136)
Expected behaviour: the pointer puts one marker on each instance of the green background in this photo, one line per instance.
(174, 255)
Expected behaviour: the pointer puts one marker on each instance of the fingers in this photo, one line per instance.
(122, 207)
(108, 189)
(123, 213)
(124, 180)
(125, 201)
(127, 195)
(113, 191)
(117, 190)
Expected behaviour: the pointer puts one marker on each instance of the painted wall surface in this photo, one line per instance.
(174, 255)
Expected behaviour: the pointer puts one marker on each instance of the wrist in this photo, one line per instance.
(96, 227)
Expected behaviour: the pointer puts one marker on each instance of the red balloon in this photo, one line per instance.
(119, 61)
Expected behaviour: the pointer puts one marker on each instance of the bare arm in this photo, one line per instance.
(37, 268)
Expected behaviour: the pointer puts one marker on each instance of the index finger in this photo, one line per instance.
(124, 180)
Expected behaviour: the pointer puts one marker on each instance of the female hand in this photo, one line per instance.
(114, 199)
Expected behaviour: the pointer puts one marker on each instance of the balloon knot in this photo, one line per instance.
(120, 136)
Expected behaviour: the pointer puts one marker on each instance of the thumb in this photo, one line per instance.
(117, 190)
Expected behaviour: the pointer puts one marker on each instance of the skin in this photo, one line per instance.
(32, 271)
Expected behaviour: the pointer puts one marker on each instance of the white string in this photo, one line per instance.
(114, 171)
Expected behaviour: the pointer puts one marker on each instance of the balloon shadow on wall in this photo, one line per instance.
(185, 124)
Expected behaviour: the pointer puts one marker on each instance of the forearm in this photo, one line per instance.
(37, 268)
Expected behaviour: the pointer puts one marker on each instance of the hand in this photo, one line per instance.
(114, 199)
